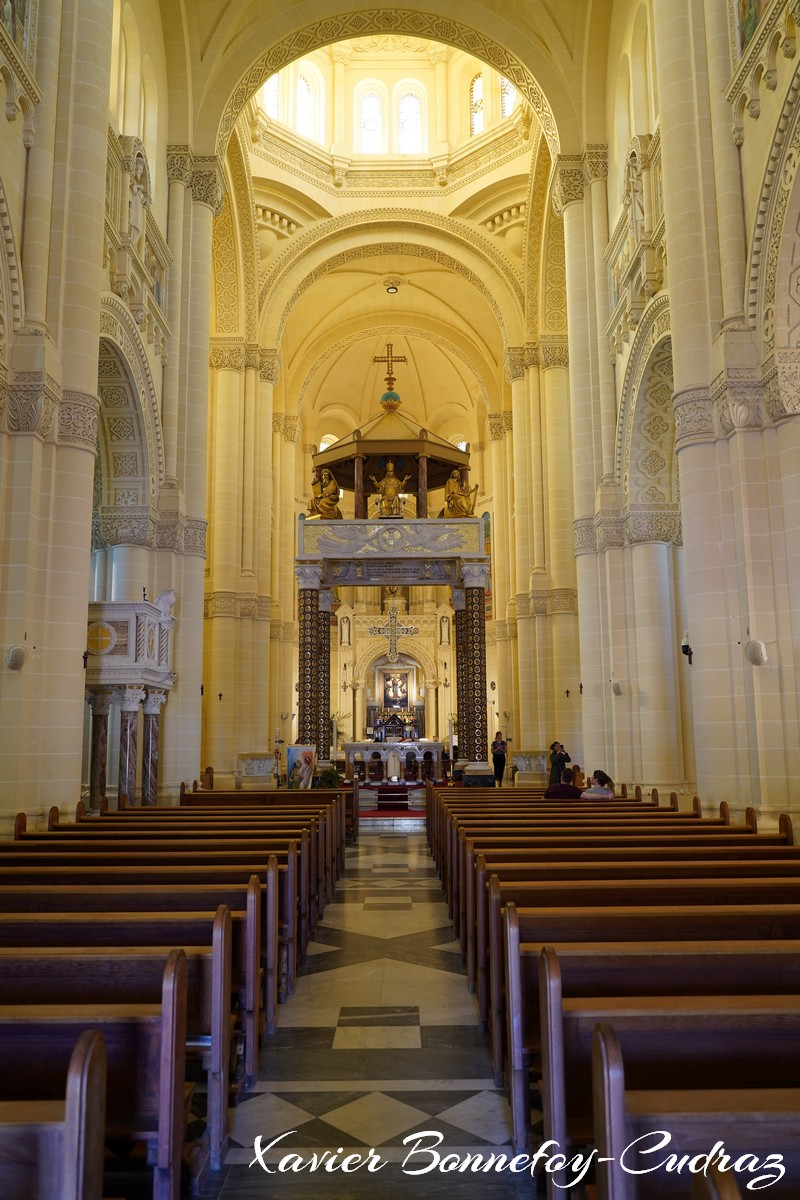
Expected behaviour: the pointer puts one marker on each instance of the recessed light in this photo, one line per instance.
(392, 288)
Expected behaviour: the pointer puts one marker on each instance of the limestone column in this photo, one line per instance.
(130, 698)
(309, 577)
(341, 54)
(291, 438)
(476, 579)
(656, 652)
(266, 711)
(179, 175)
(323, 739)
(438, 56)
(501, 551)
(100, 702)
(523, 542)
(153, 702)
(595, 176)
(460, 636)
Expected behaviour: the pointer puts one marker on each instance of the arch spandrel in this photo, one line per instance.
(407, 646)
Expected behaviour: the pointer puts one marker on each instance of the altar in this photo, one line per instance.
(396, 758)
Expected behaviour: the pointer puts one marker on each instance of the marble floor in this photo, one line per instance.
(378, 1046)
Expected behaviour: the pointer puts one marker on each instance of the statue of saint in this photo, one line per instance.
(390, 488)
(323, 504)
(459, 499)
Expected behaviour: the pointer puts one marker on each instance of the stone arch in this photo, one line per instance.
(653, 328)
(12, 306)
(124, 358)
(537, 79)
(390, 331)
(405, 645)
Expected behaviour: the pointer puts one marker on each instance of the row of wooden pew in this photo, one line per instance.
(639, 965)
(171, 934)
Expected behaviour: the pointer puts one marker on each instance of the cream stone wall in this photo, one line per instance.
(598, 294)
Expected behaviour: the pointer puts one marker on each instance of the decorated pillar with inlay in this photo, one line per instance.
(460, 631)
(323, 738)
(309, 577)
(422, 486)
(153, 703)
(360, 509)
(130, 697)
(100, 703)
(476, 580)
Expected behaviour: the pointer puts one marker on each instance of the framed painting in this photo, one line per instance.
(395, 689)
(300, 762)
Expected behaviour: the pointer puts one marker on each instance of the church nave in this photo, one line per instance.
(380, 1041)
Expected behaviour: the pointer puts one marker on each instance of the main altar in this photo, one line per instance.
(399, 760)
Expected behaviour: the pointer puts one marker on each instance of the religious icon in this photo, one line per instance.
(459, 497)
(390, 488)
(444, 631)
(344, 631)
(395, 689)
(300, 765)
(324, 502)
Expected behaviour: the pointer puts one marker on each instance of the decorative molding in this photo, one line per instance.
(208, 182)
(567, 185)
(154, 701)
(652, 523)
(118, 326)
(523, 604)
(554, 351)
(291, 429)
(33, 400)
(585, 535)
(194, 538)
(309, 576)
(77, 420)
(609, 530)
(496, 427)
(226, 355)
(514, 363)
(133, 526)
(694, 417)
(594, 162)
(784, 391)
(179, 165)
(170, 531)
(475, 575)
(269, 366)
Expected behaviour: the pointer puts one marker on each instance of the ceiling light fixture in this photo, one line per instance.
(392, 288)
(392, 285)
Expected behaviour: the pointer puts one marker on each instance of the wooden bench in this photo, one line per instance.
(739, 1089)
(53, 1149)
(146, 1095)
(114, 975)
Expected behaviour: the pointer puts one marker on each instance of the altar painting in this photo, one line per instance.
(395, 689)
(300, 765)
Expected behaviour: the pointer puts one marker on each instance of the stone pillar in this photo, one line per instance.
(462, 668)
(501, 550)
(438, 56)
(266, 710)
(309, 577)
(422, 493)
(595, 177)
(323, 738)
(130, 698)
(341, 55)
(657, 652)
(152, 715)
(360, 509)
(476, 579)
(523, 540)
(100, 702)
(179, 175)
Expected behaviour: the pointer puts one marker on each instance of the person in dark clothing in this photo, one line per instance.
(565, 790)
(558, 760)
(499, 757)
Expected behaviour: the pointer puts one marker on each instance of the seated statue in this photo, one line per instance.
(325, 495)
(390, 488)
(459, 499)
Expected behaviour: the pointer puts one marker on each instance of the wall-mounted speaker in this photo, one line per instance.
(616, 687)
(15, 658)
(756, 653)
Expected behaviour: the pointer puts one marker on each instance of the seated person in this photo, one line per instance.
(602, 786)
(578, 777)
(565, 790)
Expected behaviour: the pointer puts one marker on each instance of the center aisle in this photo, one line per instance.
(379, 1042)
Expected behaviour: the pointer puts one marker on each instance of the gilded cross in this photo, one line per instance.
(390, 359)
(392, 630)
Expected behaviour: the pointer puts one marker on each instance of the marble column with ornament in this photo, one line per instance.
(309, 577)
(460, 630)
(100, 702)
(323, 738)
(476, 580)
(130, 698)
(153, 703)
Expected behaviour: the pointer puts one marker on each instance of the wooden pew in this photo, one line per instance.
(186, 862)
(700, 1103)
(134, 975)
(146, 1095)
(53, 1149)
(715, 1185)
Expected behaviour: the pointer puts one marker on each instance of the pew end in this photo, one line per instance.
(786, 827)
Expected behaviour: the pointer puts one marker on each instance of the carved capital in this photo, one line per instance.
(741, 407)
(291, 429)
(208, 183)
(522, 603)
(457, 599)
(496, 428)
(269, 366)
(100, 702)
(652, 523)
(475, 575)
(585, 535)
(784, 394)
(220, 604)
(563, 600)
(194, 538)
(308, 575)
(179, 165)
(154, 701)
(77, 420)
(609, 530)
(554, 352)
(595, 162)
(224, 355)
(514, 363)
(531, 355)
(694, 417)
(567, 182)
(325, 600)
(130, 697)
(33, 399)
(135, 526)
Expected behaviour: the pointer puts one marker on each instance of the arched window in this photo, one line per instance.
(271, 97)
(476, 106)
(508, 96)
(371, 138)
(409, 124)
(304, 108)
(327, 440)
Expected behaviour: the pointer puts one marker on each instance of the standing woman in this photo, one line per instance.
(558, 760)
(499, 758)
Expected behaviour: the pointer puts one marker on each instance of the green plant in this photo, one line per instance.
(330, 778)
